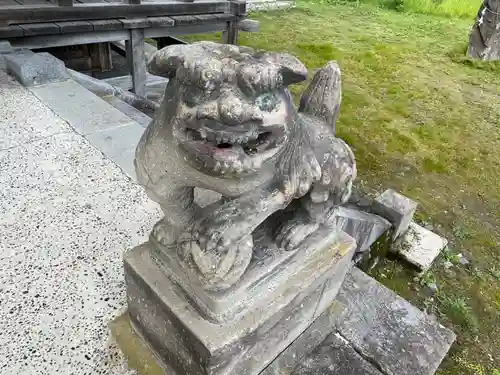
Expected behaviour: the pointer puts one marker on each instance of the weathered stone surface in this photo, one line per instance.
(280, 311)
(118, 144)
(85, 111)
(5, 47)
(420, 246)
(396, 208)
(364, 227)
(224, 289)
(312, 337)
(136, 115)
(335, 356)
(484, 40)
(228, 124)
(32, 69)
(388, 330)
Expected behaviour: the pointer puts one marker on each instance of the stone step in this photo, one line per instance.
(368, 330)
(108, 129)
(269, 5)
(127, 109)
(125, 82)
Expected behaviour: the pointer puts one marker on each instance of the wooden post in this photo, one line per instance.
(100, 53)
(230, 36)
(137, 61)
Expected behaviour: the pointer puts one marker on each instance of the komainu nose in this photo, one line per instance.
(234, 111)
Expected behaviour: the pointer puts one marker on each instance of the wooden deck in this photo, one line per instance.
(39, 24)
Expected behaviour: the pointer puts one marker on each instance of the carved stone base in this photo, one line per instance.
(185, 340)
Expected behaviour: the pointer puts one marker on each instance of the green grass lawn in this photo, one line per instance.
(422, 119)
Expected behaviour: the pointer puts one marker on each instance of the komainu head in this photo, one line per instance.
(228, 107)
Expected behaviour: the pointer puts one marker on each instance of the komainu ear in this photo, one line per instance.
(166, 61)
(290, 68)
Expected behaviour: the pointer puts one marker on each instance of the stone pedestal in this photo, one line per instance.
(256, 320)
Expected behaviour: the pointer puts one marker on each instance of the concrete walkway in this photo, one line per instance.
(67, 213)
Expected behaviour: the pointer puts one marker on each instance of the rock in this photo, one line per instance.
(484, 39)
(463, 260)
(367, 330)
(364, 227)
(420, 246)
(396, 208)
(433, 287)
(32, 69)
(5, 47)
(387, 330)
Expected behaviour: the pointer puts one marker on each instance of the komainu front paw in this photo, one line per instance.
(219, 250)
(292, 232)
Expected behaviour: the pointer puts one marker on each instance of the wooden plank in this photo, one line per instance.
(8, 3)
(184, 20)
(204, 18)
(160, 21)
(12, 31)
(159, 32)
(86, 12)
(135, 23)
(34, 2)
(225, 17)
(238, 7)
(102, 25)
(74, 26)
(48, 28)
(138, 69)
(47, 41)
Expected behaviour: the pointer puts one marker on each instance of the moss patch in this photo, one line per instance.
(138, 354)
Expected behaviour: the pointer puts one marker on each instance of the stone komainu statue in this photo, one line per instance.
(228, 124)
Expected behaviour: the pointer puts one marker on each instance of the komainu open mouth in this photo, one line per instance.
(252, 142)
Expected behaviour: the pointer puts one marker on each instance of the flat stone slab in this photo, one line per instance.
(364, 227)
(136, 115)
(192, 344)
(85, 111)
(420, 246)
(335, 356)
(75, 213)
(33, 69)
(23, 118)
(68, 213)
(389, 331)
(119, 145)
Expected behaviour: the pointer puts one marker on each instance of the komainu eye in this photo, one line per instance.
(267, 102)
